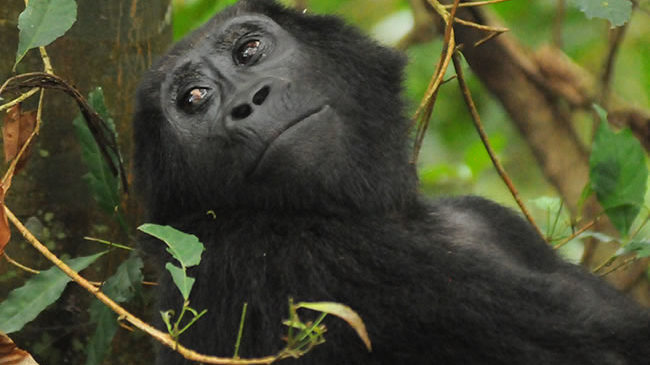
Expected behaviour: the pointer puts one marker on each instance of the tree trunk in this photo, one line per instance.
(110, 45)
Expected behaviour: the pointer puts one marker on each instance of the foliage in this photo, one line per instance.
(103, 184)
(187, 250)
(42, 22)
(25, 303)
(453, 159)
(121, 287)
(616, 11)
(618, 173)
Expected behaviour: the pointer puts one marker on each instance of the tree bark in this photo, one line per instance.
(110, 45)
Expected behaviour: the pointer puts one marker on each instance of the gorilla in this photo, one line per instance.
(290, 130)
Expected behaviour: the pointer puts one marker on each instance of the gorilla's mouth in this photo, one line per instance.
(309, 115)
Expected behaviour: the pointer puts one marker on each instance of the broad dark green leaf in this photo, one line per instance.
(42, 22)
(184, 247)
(25, 303)
(618, 174)
(103, 185)
(618, 12)
(121, 287)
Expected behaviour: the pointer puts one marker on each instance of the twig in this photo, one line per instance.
(616, 39)
(475, 3)
(160, 336)
(108, 243)
(575, 234)
(19, 265)
(623, 263)
(426, 106)
(484, 138)
(20, 99)
(241, 330)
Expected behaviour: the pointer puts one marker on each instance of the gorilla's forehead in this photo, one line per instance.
(217, 36)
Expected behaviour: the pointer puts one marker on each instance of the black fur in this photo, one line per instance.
(314, 198)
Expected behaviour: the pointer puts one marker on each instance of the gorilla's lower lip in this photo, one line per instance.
(309, 115)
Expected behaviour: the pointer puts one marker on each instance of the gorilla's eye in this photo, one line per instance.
(248, 52)
(194, 98)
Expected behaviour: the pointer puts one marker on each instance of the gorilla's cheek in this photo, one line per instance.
(305, 147)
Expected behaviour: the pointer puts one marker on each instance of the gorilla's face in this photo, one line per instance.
(251, 93)
(264, 107)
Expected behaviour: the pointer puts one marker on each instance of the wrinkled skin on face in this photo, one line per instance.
(289, 128)
(252, 110)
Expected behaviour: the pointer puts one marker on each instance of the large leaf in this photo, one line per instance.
(184, 247)
(121, 287)
(618, 174)
(618, 12)
(104, 186)
(25, 303)
(42, 22)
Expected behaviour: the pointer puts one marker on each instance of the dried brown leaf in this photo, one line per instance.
(10, 354)
(5, 232)
(11, 132)
(16, 129)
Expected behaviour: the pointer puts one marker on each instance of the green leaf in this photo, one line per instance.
(183, 282)
(641, 248)
(618, 12)
(103, 185)
(121, 287)
(344, 312)
(42, 22)
(25, 303)
(184, 247)
(618, 174)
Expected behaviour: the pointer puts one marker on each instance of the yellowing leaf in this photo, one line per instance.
(345, 313)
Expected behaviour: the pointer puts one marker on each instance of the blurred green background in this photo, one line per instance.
(453, 160)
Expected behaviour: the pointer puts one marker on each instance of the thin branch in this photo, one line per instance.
(575, 234)
(20, 99)
(616, 38)
(428, 102)
(160, 336)
(484, 138)
(19, 265)
(623, 263)
(487, 28)
(476, 3)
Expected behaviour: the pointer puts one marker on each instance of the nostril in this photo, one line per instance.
(241, 111)
(261, 95)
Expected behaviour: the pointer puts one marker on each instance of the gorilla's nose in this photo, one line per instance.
(245, 109)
